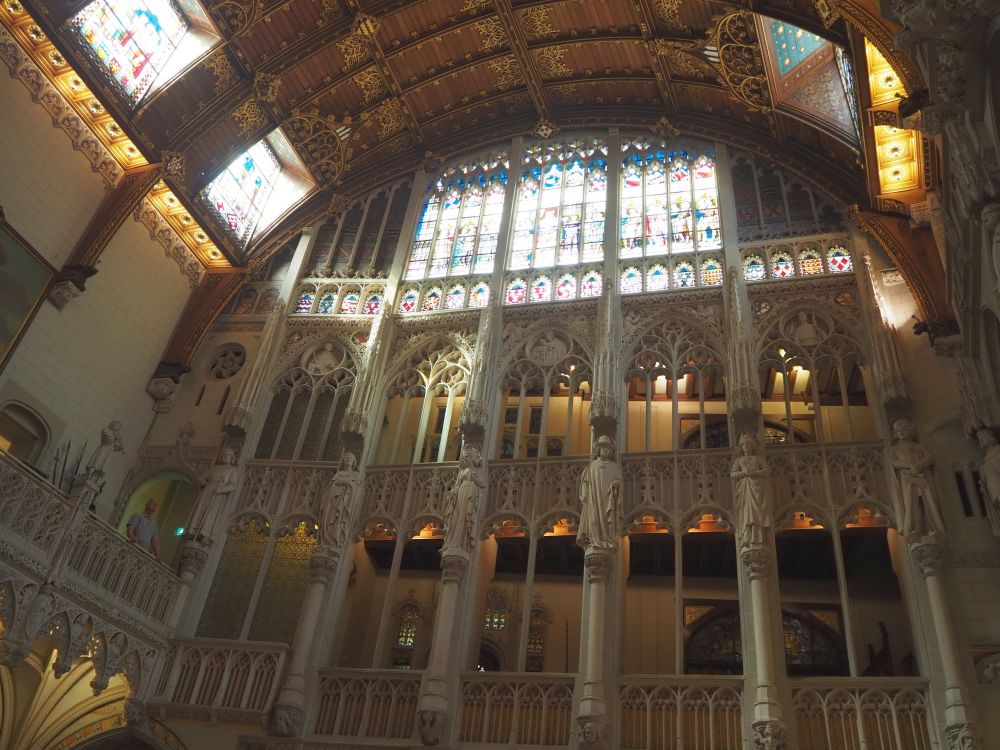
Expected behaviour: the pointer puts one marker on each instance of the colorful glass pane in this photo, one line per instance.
(407, 628)
(810, 262)
(240, 193)
(456, 298)
(480, 295)
(839, 259)
(304, 303)
(592, 286)
(350, 304)
(684, 275)
(630, 281)
(541, 289)
(782, 266)
(517, 292)
(656, 278)
(327, 303)
(373, 304)
(131, 41)
(431, 300)
(753, 268)
(408, 303)
(711, 272)
(566, 287)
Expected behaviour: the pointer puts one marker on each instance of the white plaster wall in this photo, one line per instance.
(48, 190)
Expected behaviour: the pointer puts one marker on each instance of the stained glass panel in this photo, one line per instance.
(240, 193)
(781, 265)
(839, 259)
(304, 303)
(408, 303)
(480, 295)
(656, 278)
(810, 262)
(592, 285)
(350, 304)
(630, 281)
(566, 287)
(373, 303)
(711, 271)
(456, 298)
(131, 41)
(431, 300)
(684, 275)
(407, 628)
(541, 289)
(753, 268)
(516, 292)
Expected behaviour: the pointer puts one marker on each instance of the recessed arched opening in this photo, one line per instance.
(176, 494)
(23, 433)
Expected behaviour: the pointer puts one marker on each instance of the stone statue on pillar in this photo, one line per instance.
(111, 441)
(217, 483)
(335, 515)
(462, 503)
(601, 499)
(921, 518)
(750, 474)
(989, 474)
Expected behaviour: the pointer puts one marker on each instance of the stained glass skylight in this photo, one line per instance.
(240, 193)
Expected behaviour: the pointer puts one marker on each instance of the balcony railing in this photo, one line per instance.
(868, 714)
(232, 680)
(379, 705)
(681, 713)
(519, 710)
(101, 567)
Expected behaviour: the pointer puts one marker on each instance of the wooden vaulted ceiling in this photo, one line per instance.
(419, 81)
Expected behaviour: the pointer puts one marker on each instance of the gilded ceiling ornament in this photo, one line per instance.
(545, 129)
(265, 87)
(492, 32)
(565, 93)
(516, 101)
(338, 204)
(354, 50)
(239, 15)
(173, 165)
(249, 116)
(474, 6)
(330, 9)
(550, 64)
(681, 62)
(371, 83)
(665, 129)
(508, 72)
(741, 61)
(536, 23)
(321, 142)
(669, 13)
(219, 65)
(390, 118)
(693, 97)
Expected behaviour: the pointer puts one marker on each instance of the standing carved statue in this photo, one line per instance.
(110, 442)
(921, 517)
(217, 483)
(601, 498)
(989, 476)
(462, 503)
(805, 331)
(335, 515)
(750, 474)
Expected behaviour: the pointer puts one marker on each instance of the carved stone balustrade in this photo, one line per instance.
(515, 709)
(216, 680)
(33, 514)
(883, 713)
(365, 705)
(688, 711)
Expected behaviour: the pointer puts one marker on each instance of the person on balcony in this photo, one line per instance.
(143, 530)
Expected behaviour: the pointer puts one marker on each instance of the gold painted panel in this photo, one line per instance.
(233, 586)
(284, 586)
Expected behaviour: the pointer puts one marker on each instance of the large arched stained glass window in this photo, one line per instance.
(460, 221)
(669, 201)
(561, 200)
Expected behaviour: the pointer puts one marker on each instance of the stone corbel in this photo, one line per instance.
(604, 414)
(769, 735)
(68, 284)
(164, 384)
(286, 720)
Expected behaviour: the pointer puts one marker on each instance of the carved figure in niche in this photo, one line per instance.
(601, 498)
(111, 441)
(750, 474)
(549, 349)
(335, 515)
(921, 517)
(989, 476)
(216, 485)
(322, 360)
(462, 503)
(806, 332)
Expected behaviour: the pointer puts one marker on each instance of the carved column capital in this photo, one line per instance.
(431, 726)
(598, 564)
(323, 564)
(964, 737)
(472, 423)
(193, 559)
(454, 566)
(593, 732)
(756, 561)
(604, 414)
(136, 713)
(769, 735)
(287, 720)
(928, 554)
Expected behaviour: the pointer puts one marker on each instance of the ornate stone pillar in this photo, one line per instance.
(742, 382)
(434, 712)
(592, 712)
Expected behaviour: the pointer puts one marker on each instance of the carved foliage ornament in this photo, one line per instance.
(741, 61)
(239, 14)
(219, 65)
(249, 116)
(320, 143)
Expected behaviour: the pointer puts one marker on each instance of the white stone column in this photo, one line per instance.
(288, 715)
(592, 713)
(434, 711)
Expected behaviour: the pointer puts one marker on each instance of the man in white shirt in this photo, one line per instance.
(143, 530)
